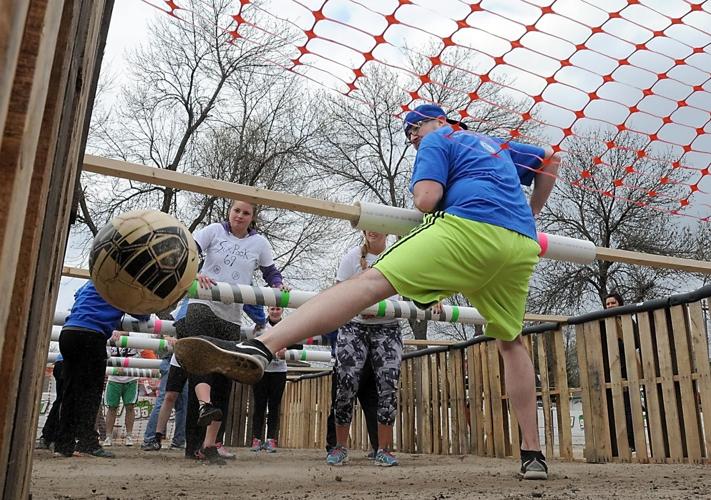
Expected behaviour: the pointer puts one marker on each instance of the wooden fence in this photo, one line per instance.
(647, 370)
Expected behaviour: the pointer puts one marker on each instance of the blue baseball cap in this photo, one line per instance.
(427, 112)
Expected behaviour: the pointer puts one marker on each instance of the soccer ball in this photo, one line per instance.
(143, 261)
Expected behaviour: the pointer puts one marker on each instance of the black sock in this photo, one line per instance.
(259, 345)
(529, 454)
(159, 437)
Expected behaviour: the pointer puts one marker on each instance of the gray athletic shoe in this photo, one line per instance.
(244, 362)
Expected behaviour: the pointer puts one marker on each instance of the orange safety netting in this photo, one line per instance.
(640, 67)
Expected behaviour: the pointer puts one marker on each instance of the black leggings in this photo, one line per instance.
(200, 320)
(84, 369)
(267, 394)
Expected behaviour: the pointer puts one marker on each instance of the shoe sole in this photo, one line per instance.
(381, 464)
(206, 420)
(202, 357)
(534, 475)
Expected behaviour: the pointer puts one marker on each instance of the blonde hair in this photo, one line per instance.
(364, 250)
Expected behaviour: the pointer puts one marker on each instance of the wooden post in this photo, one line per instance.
(699, 344)
(633, 377)
(649, 368)
(666, 373)
(689, 412)
(445, 402)
(44, 132)
(618, 407)
(545, 394)
(565, 434)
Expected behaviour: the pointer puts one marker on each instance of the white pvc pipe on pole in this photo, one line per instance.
(245, 294)
(133, 343)
(307, 355)
(120, 362)
(400, 221)
(130, 324)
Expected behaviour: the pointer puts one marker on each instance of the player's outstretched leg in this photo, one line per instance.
(202, 355)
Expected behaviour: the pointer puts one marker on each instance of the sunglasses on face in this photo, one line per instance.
(415, 128)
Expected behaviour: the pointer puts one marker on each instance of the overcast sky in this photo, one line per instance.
(487, 33)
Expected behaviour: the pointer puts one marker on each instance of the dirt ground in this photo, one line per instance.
(300, 474)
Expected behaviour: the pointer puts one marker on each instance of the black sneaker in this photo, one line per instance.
(244, 362)
(99, 452)
(212, 456)
(533, 465)
(208, 414)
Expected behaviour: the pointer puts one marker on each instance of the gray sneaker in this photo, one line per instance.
(337, 456)
(244, 362)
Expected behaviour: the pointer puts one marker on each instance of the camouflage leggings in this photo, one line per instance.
(357, 341)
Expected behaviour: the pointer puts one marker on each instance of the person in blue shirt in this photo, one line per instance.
(478, 238)
(82, 343)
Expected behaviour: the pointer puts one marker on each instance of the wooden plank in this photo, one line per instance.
(486, 386)
(426, 406)
(666, 372)
(700, 349)
(446, 450)
(565, 435)
(436, 410)
(618, 404)
(24, 113)
(649, 368)
(479, 387)
(220, 189)
(545, 394)
(418, 406)
(496, 397)
(590, 450)
(642, 259)
(461, 403)
(597, 420)
(454, 414)
(692, 432)
(634, 389)
(472, 399)
(12, 24)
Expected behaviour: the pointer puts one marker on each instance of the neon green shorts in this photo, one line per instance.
(116, 391)
(446, 254)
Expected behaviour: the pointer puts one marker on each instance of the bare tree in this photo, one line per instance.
(619, 198)
(201, 105)
(178, 80)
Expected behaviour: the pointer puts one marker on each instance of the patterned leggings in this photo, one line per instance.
(355, 342)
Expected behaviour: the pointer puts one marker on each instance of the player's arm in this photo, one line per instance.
(544, 180)
(427, 195)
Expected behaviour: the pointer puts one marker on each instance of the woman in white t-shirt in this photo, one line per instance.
(363, 337)
(232, 251)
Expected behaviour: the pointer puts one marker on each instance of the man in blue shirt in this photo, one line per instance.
(478, 238)
(82, 343)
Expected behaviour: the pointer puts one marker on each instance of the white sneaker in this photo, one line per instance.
(129, 440)
(108, 442)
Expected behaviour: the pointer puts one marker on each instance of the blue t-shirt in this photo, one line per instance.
(481, 180)
(91, 312)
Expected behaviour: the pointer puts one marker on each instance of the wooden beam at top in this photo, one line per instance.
(651, 260)
(221, 189)
(224, 189)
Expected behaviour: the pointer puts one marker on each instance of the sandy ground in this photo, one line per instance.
(300, 474)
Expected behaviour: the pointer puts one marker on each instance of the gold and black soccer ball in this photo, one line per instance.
(143, 261)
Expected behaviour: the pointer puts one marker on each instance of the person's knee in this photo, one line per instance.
(374, 284)
(170, 397)
(506, 346)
